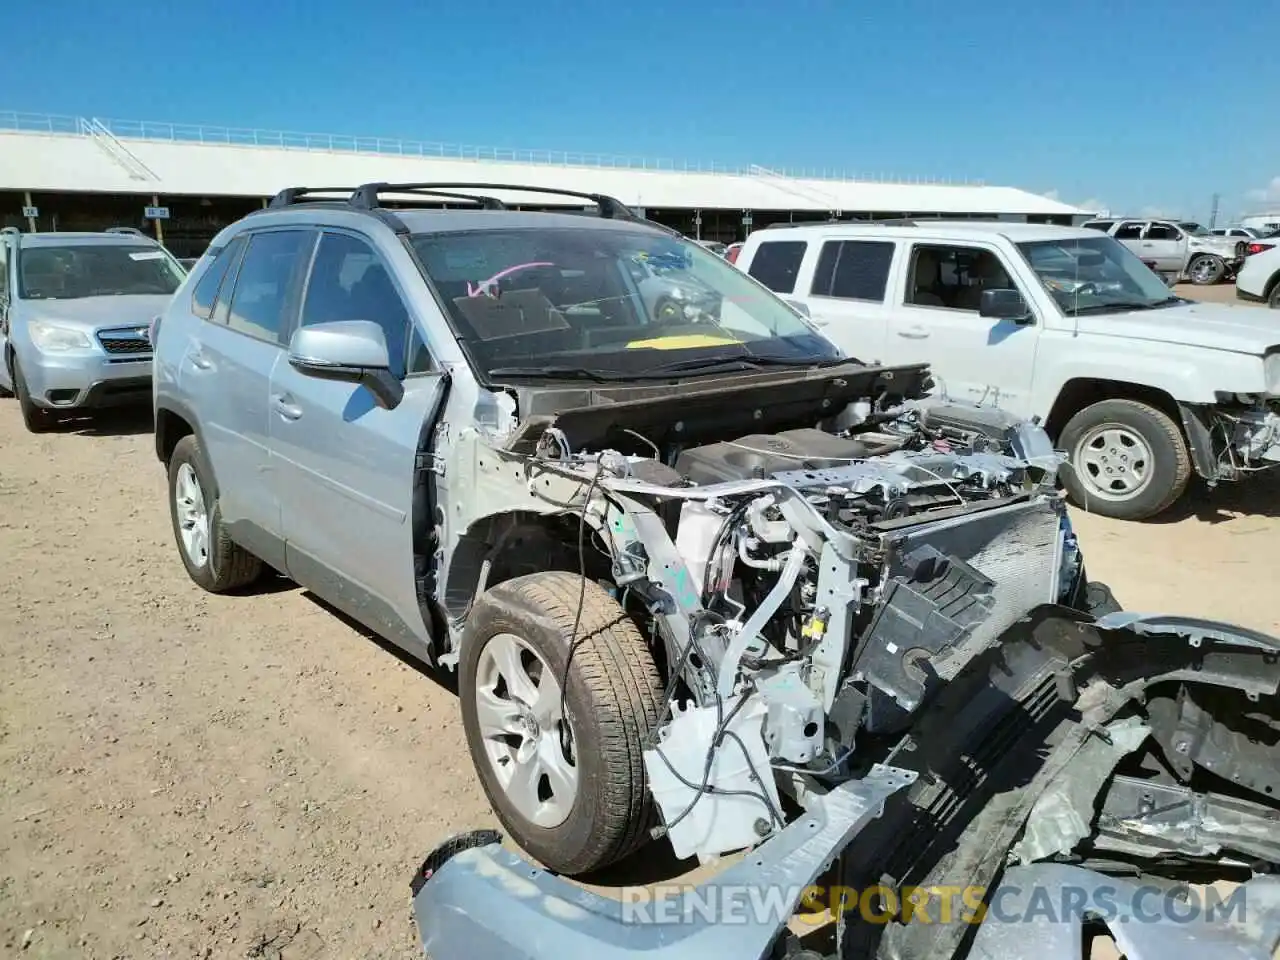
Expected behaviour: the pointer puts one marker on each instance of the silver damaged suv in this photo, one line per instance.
(75, 309)
(646, 529)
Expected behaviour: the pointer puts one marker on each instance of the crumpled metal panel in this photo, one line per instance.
(1031, 901)
(487, 903)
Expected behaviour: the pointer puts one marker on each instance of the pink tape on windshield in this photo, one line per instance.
(482, 288)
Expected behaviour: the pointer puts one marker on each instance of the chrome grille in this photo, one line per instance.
(125, 340)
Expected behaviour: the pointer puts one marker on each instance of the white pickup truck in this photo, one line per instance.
(1140, 387)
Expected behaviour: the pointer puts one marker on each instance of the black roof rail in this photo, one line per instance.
(291, 195)
(132, 231)
(366, 196)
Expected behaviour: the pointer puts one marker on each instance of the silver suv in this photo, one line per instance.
(74, 313)
(498, 439)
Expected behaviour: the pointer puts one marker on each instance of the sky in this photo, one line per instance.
(1136, 106)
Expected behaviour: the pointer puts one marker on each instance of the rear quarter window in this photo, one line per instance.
(777, 264)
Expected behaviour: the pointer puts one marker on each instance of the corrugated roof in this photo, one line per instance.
(104, 164)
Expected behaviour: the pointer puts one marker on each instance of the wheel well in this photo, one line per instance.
(170, 428)
(515, 544)
(1084, 392)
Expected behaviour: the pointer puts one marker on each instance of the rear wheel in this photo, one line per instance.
(1206, 270)
(1127, 460)
(562, 767)
(1274, 300)
(37, 419)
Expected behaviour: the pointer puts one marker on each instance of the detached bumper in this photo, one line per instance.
(482, 902)
(89, 380)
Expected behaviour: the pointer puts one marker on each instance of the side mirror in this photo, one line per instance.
(352, 351)
(1005, 305)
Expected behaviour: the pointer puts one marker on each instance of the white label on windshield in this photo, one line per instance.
(147, 255)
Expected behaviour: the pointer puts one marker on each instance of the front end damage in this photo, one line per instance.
(1069, 784)
(1238, 436)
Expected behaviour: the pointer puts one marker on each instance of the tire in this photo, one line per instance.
(1206, 270)
(1274, 300)
(225, 565)
(37, 419)
(1126, 429)
(612, 699)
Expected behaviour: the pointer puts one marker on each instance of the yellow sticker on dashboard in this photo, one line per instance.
(686, 342)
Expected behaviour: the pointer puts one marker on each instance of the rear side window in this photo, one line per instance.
(853, 269)
(266, 282)
(4, 270)
(776, 264)
(1128, 231)
(206, 292)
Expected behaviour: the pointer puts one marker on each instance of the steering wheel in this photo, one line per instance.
(1088, 288)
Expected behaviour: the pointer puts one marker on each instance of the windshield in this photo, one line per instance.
(1096, 275)
(616, 302)
(95, 270)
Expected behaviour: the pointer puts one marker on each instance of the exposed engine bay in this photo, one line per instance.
(815, 587)
(880, 652)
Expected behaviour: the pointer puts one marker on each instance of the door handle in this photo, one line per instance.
(286, 407)
(914, 333)
(200, 361)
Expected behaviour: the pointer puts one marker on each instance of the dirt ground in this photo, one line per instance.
(190, 776)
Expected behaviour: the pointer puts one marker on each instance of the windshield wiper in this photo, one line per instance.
(558, 373)
(750, 361)
(1117, 307)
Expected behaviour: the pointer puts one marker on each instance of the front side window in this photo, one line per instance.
(266, 279)
(1103, 225)
(777, 264)
(954, 277)
(1162, 231)
(853, 269)
(349, 282)
(77, 270)
(606, 301)
(1096, 275)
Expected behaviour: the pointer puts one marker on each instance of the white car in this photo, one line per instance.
(1239, 233)
(1259, 278)
(1140, 387)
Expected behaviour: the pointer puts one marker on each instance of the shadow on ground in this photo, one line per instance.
(1254, 496)
(126, 422)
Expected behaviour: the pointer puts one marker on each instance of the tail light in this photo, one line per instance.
(732, 254)
(1253, 248)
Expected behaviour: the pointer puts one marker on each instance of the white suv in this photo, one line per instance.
(1259, 279)
(1140, 387)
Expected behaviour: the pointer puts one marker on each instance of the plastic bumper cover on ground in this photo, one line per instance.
(486, 903)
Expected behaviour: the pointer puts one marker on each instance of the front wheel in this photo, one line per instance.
(561, 766)
(1274, 301)
(1126, 460)
(1206, 270)
(213, 560)
(37, 419)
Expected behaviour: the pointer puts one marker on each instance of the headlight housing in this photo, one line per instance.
(55, 337)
